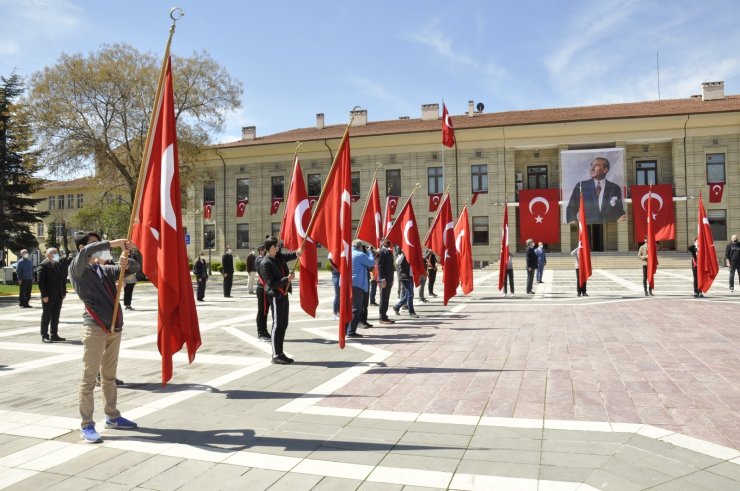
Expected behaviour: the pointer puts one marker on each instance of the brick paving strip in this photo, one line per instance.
(544, 392)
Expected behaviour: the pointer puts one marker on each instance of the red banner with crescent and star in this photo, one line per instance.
(434, 200)
(539, 215)
(241, 206)
(664, 216)
(715, 192)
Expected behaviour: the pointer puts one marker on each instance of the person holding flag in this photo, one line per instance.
(707, 267)
(582, 252)
(276, 290)
(361, 262)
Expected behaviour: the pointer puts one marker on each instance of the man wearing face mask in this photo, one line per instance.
(24, 270)
(52, 284)
(95, 284)
(201, 276)
(227, 263)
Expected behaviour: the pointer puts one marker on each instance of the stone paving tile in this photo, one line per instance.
(420, 462)
(118, 463)
(296, 482)
(503, 469)
(146, 470)
(42, 480)
(378, 486)
(607, 481)
(709, 480)
(220, 476)
(336, 484)
(178, 475)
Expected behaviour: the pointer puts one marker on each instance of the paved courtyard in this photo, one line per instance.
(536, 392)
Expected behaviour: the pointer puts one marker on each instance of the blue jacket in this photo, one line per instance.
(24, 269)
(361, 261)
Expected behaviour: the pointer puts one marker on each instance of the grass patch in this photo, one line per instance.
(7, 290)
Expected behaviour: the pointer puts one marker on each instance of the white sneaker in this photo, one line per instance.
(503, 294)
(335, 317)
(512, 294)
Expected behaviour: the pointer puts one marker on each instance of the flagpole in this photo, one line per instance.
(176, 13)
(367, 200)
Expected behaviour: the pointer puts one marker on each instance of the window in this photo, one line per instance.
(80, 200)
(355, 184)
(275, 229)
(393, 182)
(52, 202)
(480, 230)
(209, 237)
(537, 177)
(209, 192)
(278, 187)
(70, 201)
(646, 172)
(242, 236)
(715, 167)
(435, 180)
(242, 189)
(60, 201)
(59, 230)
(40, 229)
(718, 223)
(314, 184)
(479, 178)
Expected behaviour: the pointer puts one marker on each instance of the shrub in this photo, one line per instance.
(216, 267)
(240, 266)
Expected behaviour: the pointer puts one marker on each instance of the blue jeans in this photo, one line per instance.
(407, 296)
(335, 282)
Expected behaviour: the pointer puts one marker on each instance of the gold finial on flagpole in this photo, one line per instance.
(176, 13)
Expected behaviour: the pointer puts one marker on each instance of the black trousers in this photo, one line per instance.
(50, 314)
(263, 307)
(228, 280)
(510, 276)
(432, 275)
(358, 299)
(280, 309)
(578, 284)
(385, 296)
(24, 295)
(530, 278)
(128, 293)
(201, 288)
(644, 279)
(365, 305)
(696, 281)
(732, 275)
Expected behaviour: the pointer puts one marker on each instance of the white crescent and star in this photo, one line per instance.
(458, 239)
(448, 227)
(718, 187)
(378, 233)
(448, 121)
(345, 198)
(657, 197)
(539, 199)
(435, 200)
(406, 229)
(298, 214)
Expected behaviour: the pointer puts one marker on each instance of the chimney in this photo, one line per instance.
(360, 117)
(429, 112)
(471, 108)
(712, 91)
(319, 121)
(249, 132)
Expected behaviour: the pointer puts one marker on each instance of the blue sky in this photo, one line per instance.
(297, 58)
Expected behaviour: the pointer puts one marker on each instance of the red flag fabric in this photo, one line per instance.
(241, 207)
(539, 216)
(475, 197)
(664, 216)
(584, 252)
(652, 249)
(504, 256)
(275, 205)
(369, 230)
(715, 192)
(434, 200)
(405, 234)
(441, 240)
(448, 132)
(391, 203)
(464, 250)
(208, 209)
(332, 227)
(707, 267)
(355, 198)
(296, 217)
(160, 236)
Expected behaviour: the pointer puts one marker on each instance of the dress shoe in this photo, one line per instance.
(128, 307)
(387, 321)
(278, 360)
(354, 335)
(651, 293)
(585, 294)
(366, 325)
(373, 303)
(56, 337)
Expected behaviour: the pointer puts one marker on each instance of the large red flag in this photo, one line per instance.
(370, 229)
(652, 249)
(707, 267)
(448, 132)
(441, 240)
(332, 226)
(664, 216)
(405, 234)
(464, 250)
(504, 256)
(296, 217)
(159, 234)
(539, 216)
(584, 249)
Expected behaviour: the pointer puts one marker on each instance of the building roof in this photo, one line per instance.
(670, 107)
(72, 183)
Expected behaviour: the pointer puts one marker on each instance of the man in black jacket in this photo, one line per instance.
(227, 269)
(276, 285)
(52, 284)
(531, 265)
(732, 259)
(200, 269)
(386, 270)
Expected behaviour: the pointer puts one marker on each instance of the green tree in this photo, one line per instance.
(17, 164)
(92, 112)
(108, 218)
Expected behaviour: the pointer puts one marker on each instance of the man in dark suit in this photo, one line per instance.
(386, 270)
(227, 269)
(601, 198)
(52, 284)
(531, 257)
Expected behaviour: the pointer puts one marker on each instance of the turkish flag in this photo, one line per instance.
(707, 267)
(652, 249)
(584, 249)
(275, 205)
(369, 230)
(241, 206)
(405, 234)
(539, 216)
(448, 132)
(296, 217)
(664, 216)
(208, 209)
(504, 256)
(434, 200)
(715, 192)
(355, 198)
(475, 197)
(312, 200)
(464, 250)
(391, 203)
(441, 240)
(332, 227)
(159, 234)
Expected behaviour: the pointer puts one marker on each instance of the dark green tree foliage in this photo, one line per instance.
(17, 164)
